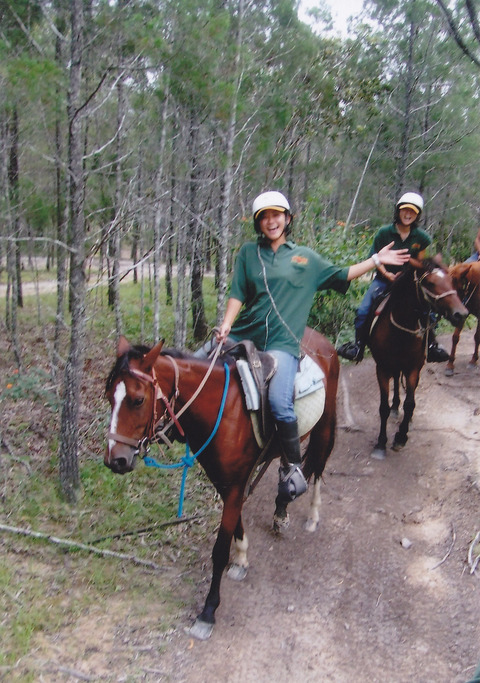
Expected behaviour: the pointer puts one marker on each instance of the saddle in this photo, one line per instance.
(256, 368)
(259, 366)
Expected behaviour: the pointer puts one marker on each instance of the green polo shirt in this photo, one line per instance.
(293, 274)
(416, 241)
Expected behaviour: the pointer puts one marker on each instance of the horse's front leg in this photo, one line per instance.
(451, 361)
(476, 338)
(232, 507)
(394, 410)
(401, 436)
(239, 565)
(380, 449)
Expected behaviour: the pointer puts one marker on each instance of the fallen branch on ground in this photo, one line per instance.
(473, 562)
(173, 522)
(78, 546)
(454, 538)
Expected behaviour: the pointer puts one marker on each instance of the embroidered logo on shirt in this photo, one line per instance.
(300, 259)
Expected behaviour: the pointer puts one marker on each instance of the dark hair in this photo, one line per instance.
(288, 228)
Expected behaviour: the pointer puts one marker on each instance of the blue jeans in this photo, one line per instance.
(281, 387)
(472, 258)
(376, 288)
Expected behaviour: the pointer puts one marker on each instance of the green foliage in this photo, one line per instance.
(333, 313)
(35, 384)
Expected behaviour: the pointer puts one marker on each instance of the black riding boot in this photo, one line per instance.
(435, 352)
(292, 482)
(354, 350)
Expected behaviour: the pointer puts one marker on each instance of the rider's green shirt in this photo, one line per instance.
(416, 241)
(278, 295)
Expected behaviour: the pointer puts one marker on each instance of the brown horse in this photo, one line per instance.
(147, 387)
(399, 337)
(466, 280)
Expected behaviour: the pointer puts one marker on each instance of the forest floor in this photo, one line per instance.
(355, 601)
(382, 592)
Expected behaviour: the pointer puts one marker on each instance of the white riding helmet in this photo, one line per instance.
(411, 200)
(270, 200)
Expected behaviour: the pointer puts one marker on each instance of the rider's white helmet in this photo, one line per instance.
(411, 200)
(270, 200)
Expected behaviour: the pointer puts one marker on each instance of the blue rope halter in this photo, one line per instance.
(188, 460)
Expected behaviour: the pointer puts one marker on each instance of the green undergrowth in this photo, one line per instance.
(50, 584)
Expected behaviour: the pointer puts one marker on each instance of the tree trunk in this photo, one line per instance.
(69, 428)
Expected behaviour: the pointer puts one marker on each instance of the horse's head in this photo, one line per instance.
(131, 394)
(436, 287)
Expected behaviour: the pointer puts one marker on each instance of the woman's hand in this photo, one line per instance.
(393, 257)
(223, 332)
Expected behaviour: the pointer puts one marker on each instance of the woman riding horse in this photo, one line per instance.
(403, 232)
(273, 286)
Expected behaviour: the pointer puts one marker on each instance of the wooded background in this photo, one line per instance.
(146, 128)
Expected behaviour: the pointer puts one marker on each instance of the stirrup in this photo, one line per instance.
(292, 482)
(351, 351)
(437, 354)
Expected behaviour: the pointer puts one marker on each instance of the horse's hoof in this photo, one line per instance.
(311, 525)
(201, 630)
(397, 446)
(281, 523)
(471, 366)
(237, 572)
(379, 453)
(448, 372)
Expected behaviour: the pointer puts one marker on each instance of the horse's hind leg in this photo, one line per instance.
(239, 565)
(314, 512)
(281, 518)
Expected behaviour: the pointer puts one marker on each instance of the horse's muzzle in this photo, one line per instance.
(457, 319)
(119, 464)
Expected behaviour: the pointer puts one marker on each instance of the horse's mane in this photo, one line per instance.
(137, 352)
(428, 264)
(123, 361)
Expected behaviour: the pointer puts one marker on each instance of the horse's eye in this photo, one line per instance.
(137, 402)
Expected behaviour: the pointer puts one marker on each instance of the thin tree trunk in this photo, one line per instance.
(225, 202)
(69, 429)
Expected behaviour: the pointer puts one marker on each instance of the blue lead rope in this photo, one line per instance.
(188, 459)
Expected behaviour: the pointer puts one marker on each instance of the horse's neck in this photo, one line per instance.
(404, 303)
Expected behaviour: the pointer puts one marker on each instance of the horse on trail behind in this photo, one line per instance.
(466, 280)
(148, 388)
(399, 337)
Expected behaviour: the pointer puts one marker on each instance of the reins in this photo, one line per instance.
(154, 435)
(188, 460)
(428, 298)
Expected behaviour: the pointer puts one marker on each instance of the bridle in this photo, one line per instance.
(426, 296)
(156, 429)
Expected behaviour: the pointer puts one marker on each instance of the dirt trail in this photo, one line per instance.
(351, 603)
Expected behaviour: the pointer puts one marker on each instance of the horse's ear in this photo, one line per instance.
(122, 346)
(459, 272)
(150, 357)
